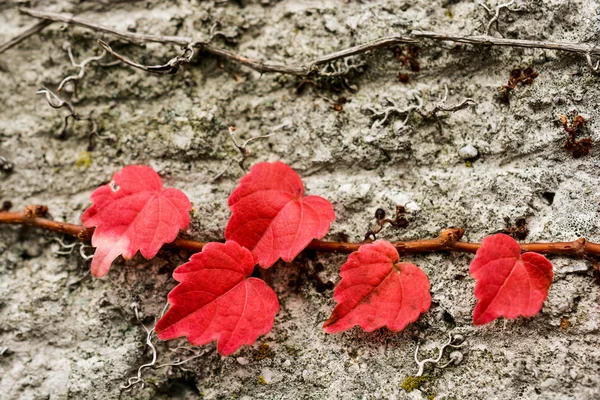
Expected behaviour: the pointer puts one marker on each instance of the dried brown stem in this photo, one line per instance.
(448, 240)
(56, 102)
(587, 50)
(184, 41)
(170, 68)
(486, 40)
(242, 146)
(38, 27)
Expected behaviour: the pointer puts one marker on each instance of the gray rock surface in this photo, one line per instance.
(66, 335)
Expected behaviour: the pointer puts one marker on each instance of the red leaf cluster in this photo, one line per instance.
(216, 299)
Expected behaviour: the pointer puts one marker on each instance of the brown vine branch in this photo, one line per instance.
(262, 67)
(586, 50)
(486, 40)
(38, 27)
(448, 240)
(170, 68)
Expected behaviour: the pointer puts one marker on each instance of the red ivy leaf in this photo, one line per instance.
(134, 213)
(270, 216)
(508, 284)
(217, 300)
(377, 290)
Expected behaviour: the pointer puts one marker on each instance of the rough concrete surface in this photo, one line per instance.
(66, 335)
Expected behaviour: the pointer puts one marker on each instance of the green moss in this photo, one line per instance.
(413, 382)
(84, 160)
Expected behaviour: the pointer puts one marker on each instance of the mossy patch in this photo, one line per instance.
(413, 382)
(84, 160)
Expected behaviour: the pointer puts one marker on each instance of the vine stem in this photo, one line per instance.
(262, 67)
(311, 67)
(448, 240)
(486, 40)
(36, 28)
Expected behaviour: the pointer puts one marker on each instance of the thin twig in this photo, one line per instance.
(220, 174)
(311, 67)
(485, 40)
(496, 15)
(56, 102)
(170, 68)
(81, 67)
(138, 378)
(448, 240)
(70, 247)
(36, 28)
(242, 147)
(179, 362)
(442, 107)
(262, 67)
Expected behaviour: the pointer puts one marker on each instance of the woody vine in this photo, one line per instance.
(217, 299)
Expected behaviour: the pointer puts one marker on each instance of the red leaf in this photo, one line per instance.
(217, 300)
(270, 216)
(508, 284)
(134, 213)
(377, 290)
